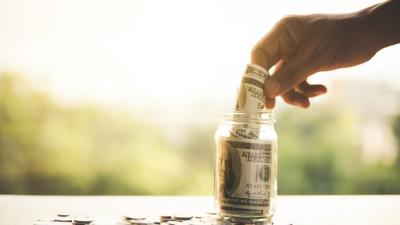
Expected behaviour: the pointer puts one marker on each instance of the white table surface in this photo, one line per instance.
(296, 210)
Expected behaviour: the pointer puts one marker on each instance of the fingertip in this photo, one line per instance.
(272, 88)
(301, 103)
(307, 105)
(269, 103)
(316, 93)
(322, 89)
(296, 99)
(311, 90)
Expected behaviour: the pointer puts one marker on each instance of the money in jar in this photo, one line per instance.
(246, 154)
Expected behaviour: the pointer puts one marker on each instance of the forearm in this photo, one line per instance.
(382, 23)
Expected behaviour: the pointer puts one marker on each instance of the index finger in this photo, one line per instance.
(279, 43)
(266, 52)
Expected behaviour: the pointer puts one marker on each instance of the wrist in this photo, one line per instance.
(379, 23)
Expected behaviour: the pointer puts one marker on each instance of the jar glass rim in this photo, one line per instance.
(241, 116)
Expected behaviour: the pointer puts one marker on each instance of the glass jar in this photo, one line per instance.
(246, 165)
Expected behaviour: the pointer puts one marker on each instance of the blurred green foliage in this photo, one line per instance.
(50, 148)
(320, 153)
(46, 148)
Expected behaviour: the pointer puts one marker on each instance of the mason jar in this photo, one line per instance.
(246, 165)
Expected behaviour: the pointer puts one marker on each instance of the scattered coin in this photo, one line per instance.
(165, 218)
(82, 221)
(211, 218)
(63, 219)
(63, 214)
(125, 218)
(131, 217)
(143, 222)
(182, 217)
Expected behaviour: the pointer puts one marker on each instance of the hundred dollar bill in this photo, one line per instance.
(246, 169)
(251, 93)
(250, 97)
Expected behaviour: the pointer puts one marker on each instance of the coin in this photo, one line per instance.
(182, 217)
(63, 214)
(82, 221)
(133, 217)
(143, 222)
(165, 218)
(63, 219)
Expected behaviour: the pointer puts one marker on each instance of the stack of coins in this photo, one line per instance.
(63, 218)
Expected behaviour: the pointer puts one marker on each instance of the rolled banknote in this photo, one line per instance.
(250, 98)
(251, 93)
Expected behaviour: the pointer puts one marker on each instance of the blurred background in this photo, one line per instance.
(123, 97)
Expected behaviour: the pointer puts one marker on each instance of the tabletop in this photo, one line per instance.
(296, 210)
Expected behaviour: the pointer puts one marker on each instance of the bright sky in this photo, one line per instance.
(171, 54)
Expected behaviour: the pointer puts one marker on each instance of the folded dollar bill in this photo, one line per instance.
(251, 93)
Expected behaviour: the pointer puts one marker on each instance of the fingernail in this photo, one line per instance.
(272, 88)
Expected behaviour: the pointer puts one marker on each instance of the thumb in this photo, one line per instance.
(287, 76)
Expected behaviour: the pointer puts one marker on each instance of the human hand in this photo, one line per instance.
(300, 46)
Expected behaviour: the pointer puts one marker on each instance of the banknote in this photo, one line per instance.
(245, 169)
(251, 92)
(250, 97)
